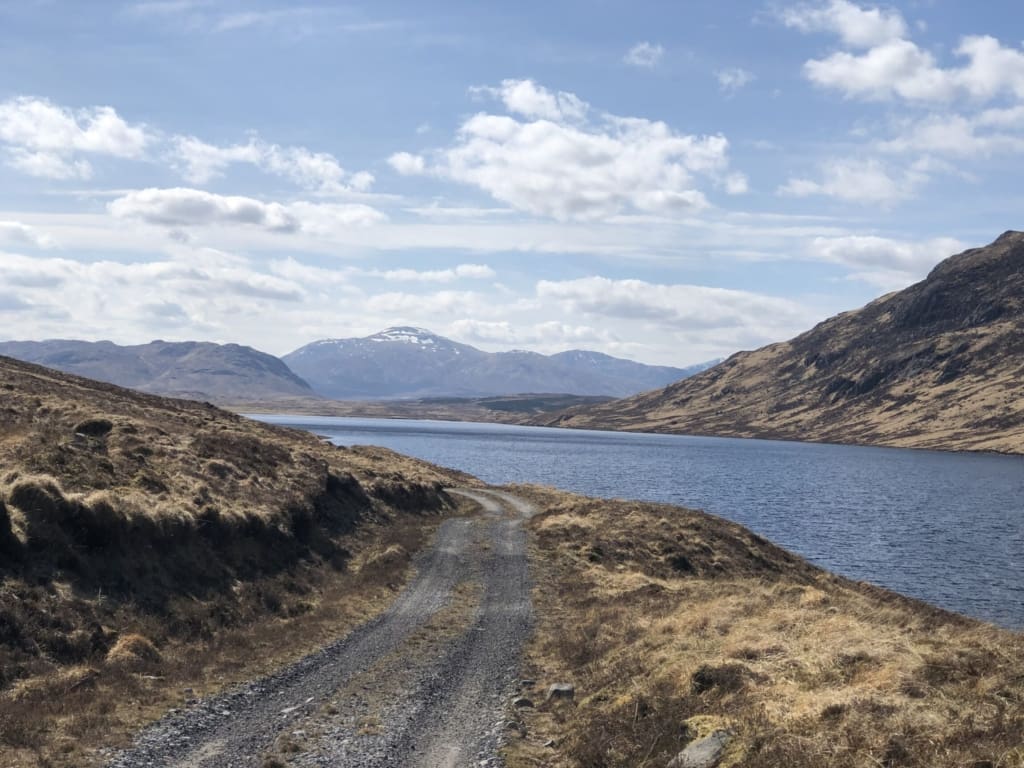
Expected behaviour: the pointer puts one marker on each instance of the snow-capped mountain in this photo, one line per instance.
(406, 362)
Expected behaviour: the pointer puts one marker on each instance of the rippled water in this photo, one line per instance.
(944, 527)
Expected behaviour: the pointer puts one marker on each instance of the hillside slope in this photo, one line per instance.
(937, 365)
(149, 545)
(198, 370)
(406, 362)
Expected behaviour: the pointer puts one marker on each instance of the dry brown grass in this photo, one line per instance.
(673, 623)
(148, 546)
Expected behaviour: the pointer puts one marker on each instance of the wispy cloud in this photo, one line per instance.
(645, 55)
(732, 79)
(200, 162)
(17, 234)
(296, 21)
(867, 181)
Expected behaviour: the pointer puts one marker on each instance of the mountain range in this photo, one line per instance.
(406, 362)
(189, 369)
(939, 364)
(397, 363)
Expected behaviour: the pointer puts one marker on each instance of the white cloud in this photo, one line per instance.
(200, 162)
(42, 139)
(886, 263)
(989, 132)
(856, 26)
(736, 184)
(732, 79)
(560, 165)
(307, 274)
(47, 165)
(644, 55)
(164, 7)
(183, 207)
(860, 181)
(892, 66)
(326, 220)
(106, 293)
(686, 307)
(468, 271)
(437, 211)
(407, 164)
(548, 336)
(16, 233)
(526, 98)
(193, 207)
(425, 304)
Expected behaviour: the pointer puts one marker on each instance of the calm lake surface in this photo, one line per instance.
(944, 527)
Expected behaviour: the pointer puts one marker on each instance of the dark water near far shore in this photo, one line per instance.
(944, 527)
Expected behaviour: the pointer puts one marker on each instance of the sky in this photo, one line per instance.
(668, 182)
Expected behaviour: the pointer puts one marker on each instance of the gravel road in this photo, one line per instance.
(425, 685)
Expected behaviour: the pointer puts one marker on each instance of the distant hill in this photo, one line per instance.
(197, 370)
(939, 364)
(406, 362)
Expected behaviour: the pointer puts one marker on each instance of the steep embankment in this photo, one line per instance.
(673, 625)
(937, 365)
(147, 545)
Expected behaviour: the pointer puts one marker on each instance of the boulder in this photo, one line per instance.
(703, 753)
(561, 691)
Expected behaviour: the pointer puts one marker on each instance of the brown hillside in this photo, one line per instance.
(937, 365)
(150, 545)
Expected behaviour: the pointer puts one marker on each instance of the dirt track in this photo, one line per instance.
(426, 684)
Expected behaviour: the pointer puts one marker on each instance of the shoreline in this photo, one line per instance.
(267, 409)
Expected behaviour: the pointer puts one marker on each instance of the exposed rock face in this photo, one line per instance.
(407, 362)
(196, 370)
(939, 364)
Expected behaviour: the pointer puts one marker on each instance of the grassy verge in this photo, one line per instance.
(152, 550)
(672, 624)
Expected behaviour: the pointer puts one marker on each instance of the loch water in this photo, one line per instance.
(944, 527)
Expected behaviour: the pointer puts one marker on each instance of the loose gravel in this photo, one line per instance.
(398, 691)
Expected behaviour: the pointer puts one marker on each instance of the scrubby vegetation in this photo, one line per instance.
(148, 546)
(673, 624)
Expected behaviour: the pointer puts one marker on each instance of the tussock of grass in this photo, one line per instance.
(150, 545)
(134, 652)
(673, 623)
